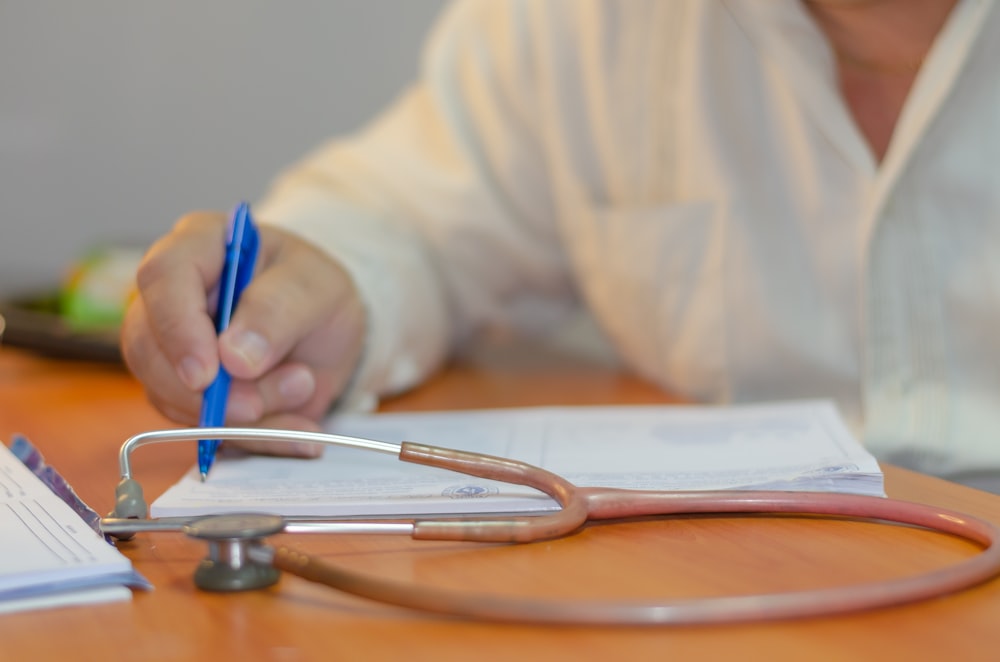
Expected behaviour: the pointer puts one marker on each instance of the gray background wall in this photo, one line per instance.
(117, 117)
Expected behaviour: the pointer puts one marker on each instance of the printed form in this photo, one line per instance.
(49, 555)
(785, 446)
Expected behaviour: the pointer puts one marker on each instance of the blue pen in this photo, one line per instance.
(241, 253)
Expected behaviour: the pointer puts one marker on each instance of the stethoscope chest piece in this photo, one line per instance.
(229, 566)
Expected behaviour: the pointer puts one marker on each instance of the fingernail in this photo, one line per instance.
(296, 387)
(251, 346)
(191, 372)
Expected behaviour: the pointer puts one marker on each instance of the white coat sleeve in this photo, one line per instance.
(440, 209)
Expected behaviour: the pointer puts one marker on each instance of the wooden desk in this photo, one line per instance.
(79, 414)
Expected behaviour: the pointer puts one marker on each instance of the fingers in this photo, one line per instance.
(296, 293)
(290, 449)
(174, 281)
(292, 344)
(289, 387)
(149, 364)
(300, 310)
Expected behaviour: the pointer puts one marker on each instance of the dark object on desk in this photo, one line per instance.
(34, 323)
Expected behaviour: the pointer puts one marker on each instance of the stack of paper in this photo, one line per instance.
(786, 446)
(50, 556)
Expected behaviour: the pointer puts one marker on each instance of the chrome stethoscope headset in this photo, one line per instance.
(240, 560)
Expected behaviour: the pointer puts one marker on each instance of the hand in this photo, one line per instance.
(293, 342)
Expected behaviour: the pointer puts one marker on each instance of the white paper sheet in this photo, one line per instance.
(76, 598)
(788, 446)
(48, 555)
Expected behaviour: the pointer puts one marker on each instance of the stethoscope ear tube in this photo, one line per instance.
(129, 499)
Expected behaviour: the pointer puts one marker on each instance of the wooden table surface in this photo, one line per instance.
(78, 414)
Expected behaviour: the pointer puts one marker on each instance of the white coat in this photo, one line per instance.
(687, 173)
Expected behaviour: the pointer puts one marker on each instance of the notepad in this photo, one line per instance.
(49, 555)
(782, 446)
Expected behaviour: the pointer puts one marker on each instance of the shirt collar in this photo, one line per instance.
(792, 44)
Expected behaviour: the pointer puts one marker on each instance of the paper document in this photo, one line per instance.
(787, 446)
(49, 556)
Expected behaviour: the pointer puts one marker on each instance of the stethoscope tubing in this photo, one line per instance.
(583, 504)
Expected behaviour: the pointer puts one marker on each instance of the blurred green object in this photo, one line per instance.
(97, 289)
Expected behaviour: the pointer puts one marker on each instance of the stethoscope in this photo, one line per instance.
(239, 558)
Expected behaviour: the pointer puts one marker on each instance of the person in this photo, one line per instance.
(751, 200)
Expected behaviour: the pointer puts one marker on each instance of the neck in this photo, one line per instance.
(880, 46)
(885, 36)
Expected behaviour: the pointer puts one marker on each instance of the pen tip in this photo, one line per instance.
(204, 475)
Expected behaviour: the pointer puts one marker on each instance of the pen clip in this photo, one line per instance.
(242, 244)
